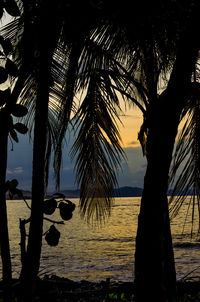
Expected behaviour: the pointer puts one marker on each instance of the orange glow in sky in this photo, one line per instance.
(131, 123)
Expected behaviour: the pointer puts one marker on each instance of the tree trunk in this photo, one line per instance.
(32, 259)
(155, 276)
(4, 237)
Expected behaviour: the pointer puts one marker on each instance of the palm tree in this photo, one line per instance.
(54, 55)
(141, 63)
(7, 108)
(117, 55)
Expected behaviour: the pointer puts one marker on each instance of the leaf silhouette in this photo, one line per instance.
(59, 195)
(21, 128)
(11, 68)
(4, 96)
(49, 206)
(65, 211)
(71, 205)
(6, 45)
(53, 235)
(12, 8)
(3, 75)
(14, 136)
(19, 110)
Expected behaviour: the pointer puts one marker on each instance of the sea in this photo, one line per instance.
(96, 252)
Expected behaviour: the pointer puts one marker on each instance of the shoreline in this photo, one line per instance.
(61, 289)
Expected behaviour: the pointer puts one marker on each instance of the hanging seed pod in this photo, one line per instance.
(52, 236)
(49, 206)
(65, 211)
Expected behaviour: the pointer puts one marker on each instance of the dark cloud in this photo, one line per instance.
(20, 167)
(133, 143)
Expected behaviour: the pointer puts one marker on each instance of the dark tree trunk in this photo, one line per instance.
(31, 264)
(4, 237)
(155, 275)
(38, 52)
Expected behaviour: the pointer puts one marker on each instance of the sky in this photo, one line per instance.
(19, 164)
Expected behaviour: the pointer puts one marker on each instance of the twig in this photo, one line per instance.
(184, 277)
(53, 221)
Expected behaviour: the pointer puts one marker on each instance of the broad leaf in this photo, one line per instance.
(19, 110)
(53, 235)
(49, 206)
(21, 128)
(65, 211)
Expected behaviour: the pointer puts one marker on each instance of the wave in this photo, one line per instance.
(126, 239)
(187, 245)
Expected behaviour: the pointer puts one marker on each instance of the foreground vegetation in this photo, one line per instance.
(58, 289)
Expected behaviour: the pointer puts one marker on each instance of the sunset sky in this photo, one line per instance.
(20, 160)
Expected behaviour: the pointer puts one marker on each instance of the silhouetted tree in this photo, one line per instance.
(138, 55)
(110, 53)
(8, 108)
(48, 57)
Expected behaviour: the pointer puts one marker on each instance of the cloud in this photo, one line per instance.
(17, 170)
(20, 167)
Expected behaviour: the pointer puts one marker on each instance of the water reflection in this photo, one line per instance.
(96, 253)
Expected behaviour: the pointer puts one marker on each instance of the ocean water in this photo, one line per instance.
(92, 253)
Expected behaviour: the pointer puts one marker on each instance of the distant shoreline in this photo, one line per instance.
(120, 192)
(125, 191)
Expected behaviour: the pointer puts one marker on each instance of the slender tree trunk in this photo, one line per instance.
(4, 237)
(155, 276)
(32, 259)
(41, 46)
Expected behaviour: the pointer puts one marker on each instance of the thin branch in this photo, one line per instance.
(54, 221)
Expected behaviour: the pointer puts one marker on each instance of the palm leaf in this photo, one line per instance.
(97, 151)
(187, 160)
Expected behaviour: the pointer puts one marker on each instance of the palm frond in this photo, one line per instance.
(97, 150)
(187, 161)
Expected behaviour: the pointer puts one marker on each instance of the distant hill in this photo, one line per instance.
(120, 192)
(128, 192)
